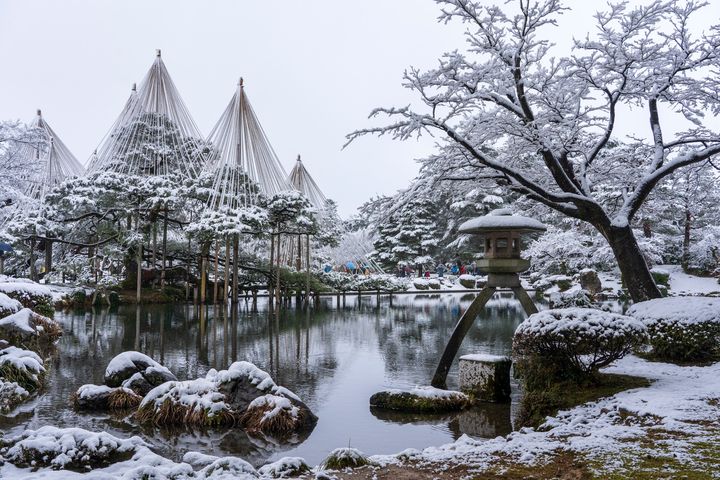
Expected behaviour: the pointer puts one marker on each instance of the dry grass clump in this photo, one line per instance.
(123, 399)
(342, 458)
(170, 412)
(274, 415)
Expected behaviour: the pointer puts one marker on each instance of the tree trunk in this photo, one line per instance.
(164, 252)
(277, 291)
(686, 240)
(307, 273)
(48, 257)
(633, 267)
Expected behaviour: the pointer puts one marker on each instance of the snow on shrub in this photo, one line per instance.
(345, 282)
(581, 340)
(8, 305)
(23, 367)
(575, 298)
(685, 329)
(284, 468)
(11, 395)
(31, 295)
(228, 468)
(342, 458)
(66, 448)
(30, 330)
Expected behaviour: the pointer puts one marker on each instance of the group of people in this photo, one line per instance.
(350, 267)
(455, 268)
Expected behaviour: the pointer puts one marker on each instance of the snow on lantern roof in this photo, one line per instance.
(501, 219)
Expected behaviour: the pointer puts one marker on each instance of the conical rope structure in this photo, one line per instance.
(302, 181)
(154, 134)
(51, 162)
(242, 151)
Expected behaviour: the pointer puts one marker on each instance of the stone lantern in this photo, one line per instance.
(503, 235)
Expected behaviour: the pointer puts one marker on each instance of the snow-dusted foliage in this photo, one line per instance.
(23, 367)
(704, 254)
(581, 340)
(66, 448)
(681, 328)
(345, 282)
(342, 458)
(31, 330)
(513, 108)
(286, 467)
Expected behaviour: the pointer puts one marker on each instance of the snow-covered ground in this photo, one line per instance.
(679, 410)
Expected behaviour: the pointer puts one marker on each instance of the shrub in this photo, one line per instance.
(22, 367)
(574, 342)
(30, 330)
(577, 298)
(272, 414)
(681, 329)
(661, 276)
(342, 458)
(31, 295)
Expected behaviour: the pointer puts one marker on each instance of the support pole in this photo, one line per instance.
(226, 286)
(307, 274)
(236, 266)
(215, 279)
(277, 285)
(271, 292)
(48, 257)
(164, 252)
(525, 300)
(458, 335)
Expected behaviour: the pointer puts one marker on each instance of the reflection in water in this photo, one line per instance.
(333, 357)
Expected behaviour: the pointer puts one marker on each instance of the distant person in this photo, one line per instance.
(473, 268)
(440, 270)
(327, 268)
(454, 269)
(463, 270)
(427, 274)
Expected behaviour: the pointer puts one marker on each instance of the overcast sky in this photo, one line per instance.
(313, 70)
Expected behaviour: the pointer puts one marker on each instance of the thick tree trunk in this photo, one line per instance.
(633, 267)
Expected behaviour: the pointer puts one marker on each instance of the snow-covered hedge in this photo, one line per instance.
(579, 341)
(31, 295)
(571, 299)
(685, 329)
(8, 305)
(345, 282)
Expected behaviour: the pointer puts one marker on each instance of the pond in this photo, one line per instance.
(333, 357)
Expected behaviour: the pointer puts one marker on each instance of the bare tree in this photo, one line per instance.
(545, 125)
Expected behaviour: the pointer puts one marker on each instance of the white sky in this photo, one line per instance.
(313, 70)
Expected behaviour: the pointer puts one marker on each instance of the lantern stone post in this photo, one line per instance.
(503, 233)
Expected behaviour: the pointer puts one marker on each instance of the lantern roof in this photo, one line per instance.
(501, 220)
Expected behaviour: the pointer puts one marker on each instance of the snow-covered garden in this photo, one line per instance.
(541, 301)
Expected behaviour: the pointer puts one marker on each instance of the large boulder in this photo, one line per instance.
(136, 371)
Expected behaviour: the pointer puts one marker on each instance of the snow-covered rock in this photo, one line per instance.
(284, 468)
(136, 371)
(102, 397)
(342, 458)
(420, 399)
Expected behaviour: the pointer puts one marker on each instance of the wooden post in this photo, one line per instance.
(271, 292)
(226, 286)
(164, 252)
(33, 274)
(215, 281)
(153, 260)
(138, 292)
(48, 257)
(236, 266)
(277, 291)
(307, 272)
(203, 273)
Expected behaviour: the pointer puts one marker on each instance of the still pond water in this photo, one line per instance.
(334, 358)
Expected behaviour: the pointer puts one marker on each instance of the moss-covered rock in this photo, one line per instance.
(420, 399)
(104, 398)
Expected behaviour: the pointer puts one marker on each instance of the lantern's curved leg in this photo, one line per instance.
(525, 300)
(461, 329)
